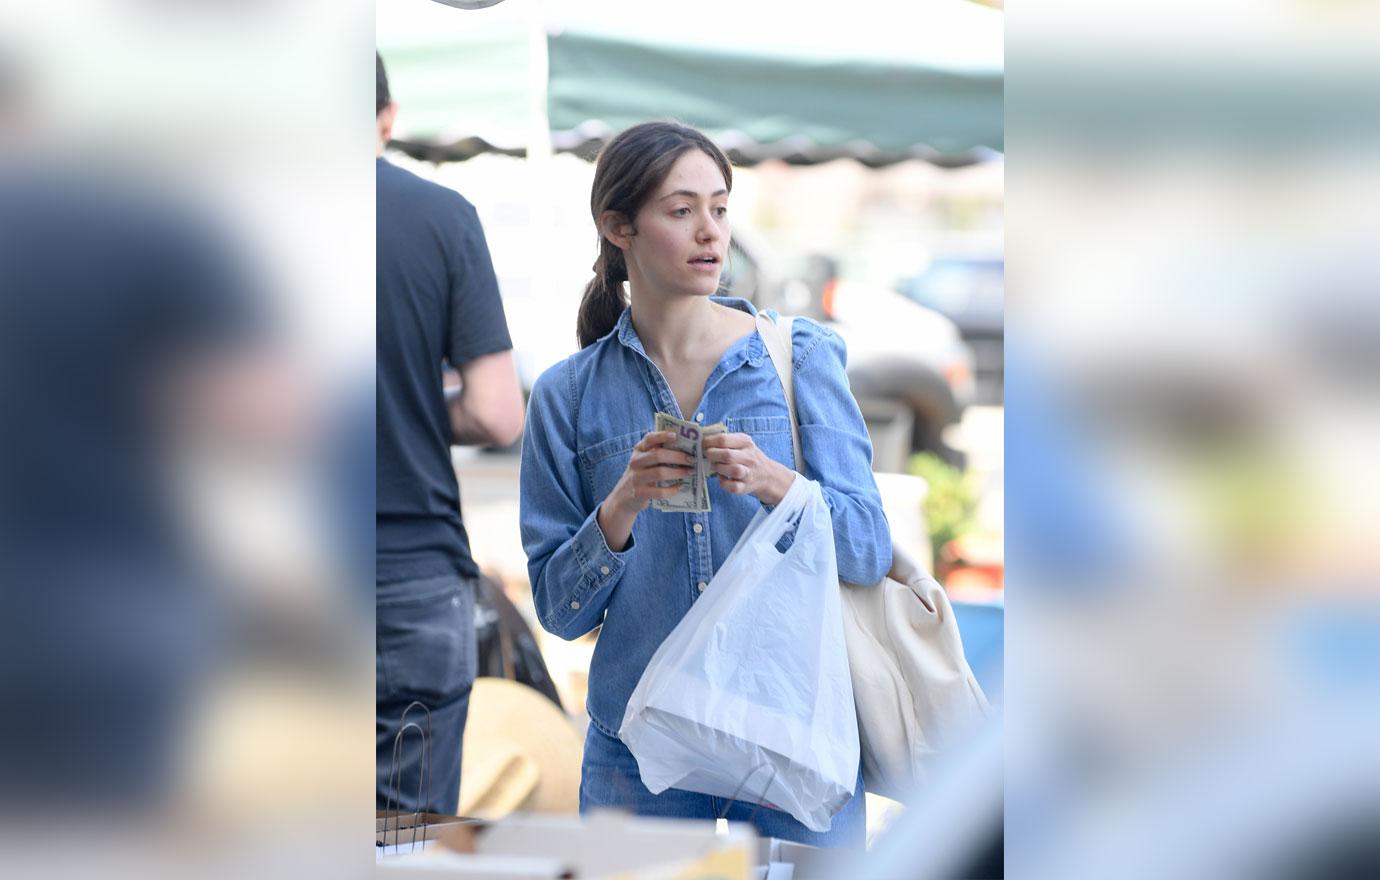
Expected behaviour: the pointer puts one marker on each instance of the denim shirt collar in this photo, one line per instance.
(753, 353)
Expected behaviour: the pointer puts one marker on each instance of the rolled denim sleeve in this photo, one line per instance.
(838, 453)
(572, 570)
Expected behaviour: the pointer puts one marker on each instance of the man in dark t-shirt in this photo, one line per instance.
(437, 303)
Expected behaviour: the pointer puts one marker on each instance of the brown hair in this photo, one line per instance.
(382, 97)
(629, 170)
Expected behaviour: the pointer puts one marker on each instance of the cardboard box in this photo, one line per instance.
(786, 860)
(603, 845)
(395, 831)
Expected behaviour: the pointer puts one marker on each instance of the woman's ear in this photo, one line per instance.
(615, 226)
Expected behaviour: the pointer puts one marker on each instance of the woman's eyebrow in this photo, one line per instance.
(692, 195)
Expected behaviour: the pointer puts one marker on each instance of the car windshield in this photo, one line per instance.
(960, 287)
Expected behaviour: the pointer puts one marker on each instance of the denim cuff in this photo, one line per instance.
(599, 567)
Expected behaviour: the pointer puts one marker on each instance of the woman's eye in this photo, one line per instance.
(681, 212)
(721, 210)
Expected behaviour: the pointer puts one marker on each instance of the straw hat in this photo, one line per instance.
(521, 753)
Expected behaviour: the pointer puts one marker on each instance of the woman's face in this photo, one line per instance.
(682, 230)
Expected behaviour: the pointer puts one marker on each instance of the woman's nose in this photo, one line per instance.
(708, 230)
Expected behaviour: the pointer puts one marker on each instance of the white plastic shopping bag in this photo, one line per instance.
(749, 697)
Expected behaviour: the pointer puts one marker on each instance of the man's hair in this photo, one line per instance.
(381, 96)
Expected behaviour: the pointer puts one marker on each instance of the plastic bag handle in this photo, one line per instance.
(770, 527)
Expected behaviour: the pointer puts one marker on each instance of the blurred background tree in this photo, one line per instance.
(951, 502)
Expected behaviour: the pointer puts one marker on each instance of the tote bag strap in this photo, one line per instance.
(777, 336)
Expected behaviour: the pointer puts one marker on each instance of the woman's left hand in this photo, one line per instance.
(743, 469)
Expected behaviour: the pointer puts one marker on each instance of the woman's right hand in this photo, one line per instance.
(653, 461)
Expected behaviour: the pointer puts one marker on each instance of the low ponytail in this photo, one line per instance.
(603, 301)
(627, 173)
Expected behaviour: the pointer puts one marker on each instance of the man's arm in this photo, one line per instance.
(487, 409)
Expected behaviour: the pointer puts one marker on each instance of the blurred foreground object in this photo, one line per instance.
(604, 844)
(170, 225)
(122, 317)
(1193, 411)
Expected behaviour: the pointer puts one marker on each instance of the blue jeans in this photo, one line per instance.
(424, 650)
(609, 778)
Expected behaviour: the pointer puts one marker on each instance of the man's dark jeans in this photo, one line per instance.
(424, 651)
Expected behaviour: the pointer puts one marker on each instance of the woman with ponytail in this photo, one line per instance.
(592, 463)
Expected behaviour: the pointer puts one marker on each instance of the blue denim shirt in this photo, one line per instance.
(585, 415)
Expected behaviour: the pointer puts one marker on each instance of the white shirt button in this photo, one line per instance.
(575, 605)
(603, 569)
(698, 528)
(701, 586)
(699, 417)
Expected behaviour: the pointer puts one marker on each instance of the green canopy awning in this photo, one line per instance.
(871, 79)
(462, 78)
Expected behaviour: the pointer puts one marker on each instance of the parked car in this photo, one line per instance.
(907, 364)
(970, 292)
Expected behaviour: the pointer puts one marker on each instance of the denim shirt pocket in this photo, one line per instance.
(604, 461)
(772, 434)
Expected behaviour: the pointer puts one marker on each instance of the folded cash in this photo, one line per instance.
(693, 494)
